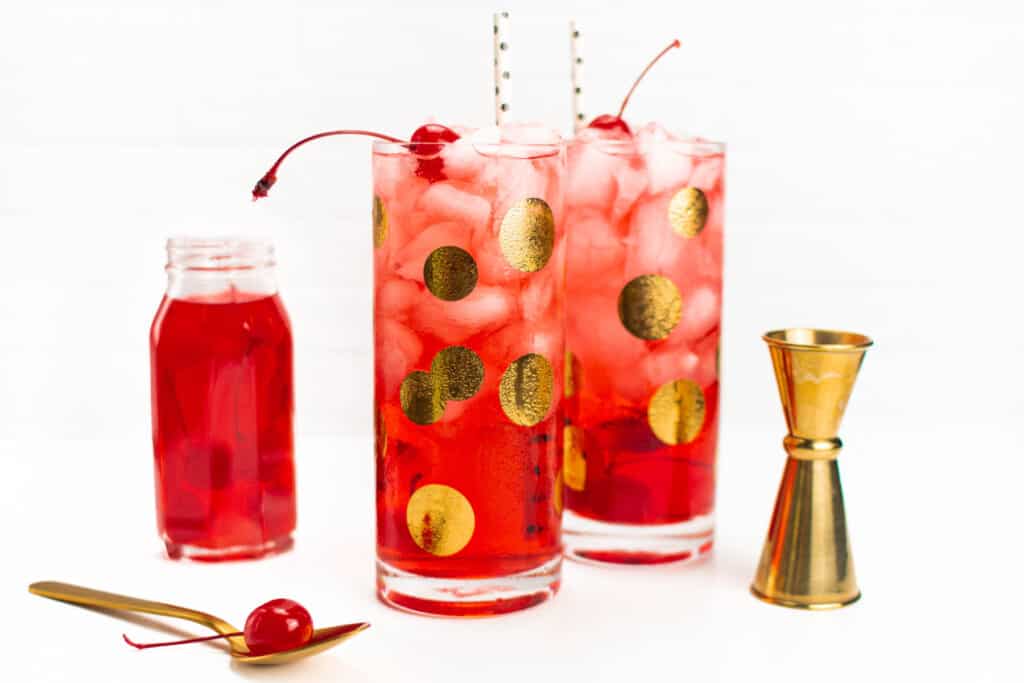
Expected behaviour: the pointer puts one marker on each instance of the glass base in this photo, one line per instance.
(178, 551)
(593, 541)
(468, 597)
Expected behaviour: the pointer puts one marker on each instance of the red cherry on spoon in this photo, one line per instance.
(277, 625)
(274, 626)
(616, 122)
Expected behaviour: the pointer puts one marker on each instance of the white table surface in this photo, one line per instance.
(940, 577)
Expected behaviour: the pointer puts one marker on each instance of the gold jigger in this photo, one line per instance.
(806, 561)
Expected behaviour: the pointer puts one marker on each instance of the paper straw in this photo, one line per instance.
(502, 75)
(576, 54)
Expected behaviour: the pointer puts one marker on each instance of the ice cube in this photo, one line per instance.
(538, 295)
(597, 335)
(409, 261)
(668, 364)
(596, 252)
(462, 161)
(485, 309)
(653, 247)
(446, 201)
(518, 339)
(395, 297)
(708, 173)
(667, 167)
(519, 179)
(696, 266)
(631, 383)
(653, 132)
(668, 162)
(491, 264)
(403, 218)
(433, 316)
(588, 134)
(398, 350)
(701, 314)
(385, 176)
(497, 351)
(591, 180)
(630, 182)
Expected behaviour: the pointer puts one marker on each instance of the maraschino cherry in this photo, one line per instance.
(429, 165)
(432, 167)
(274, 626)
(615, 122)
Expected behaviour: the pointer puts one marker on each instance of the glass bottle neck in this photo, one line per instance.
(220, 269)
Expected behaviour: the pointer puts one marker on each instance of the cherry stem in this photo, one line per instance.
(146, 646)
(625, 101)
(270, 177)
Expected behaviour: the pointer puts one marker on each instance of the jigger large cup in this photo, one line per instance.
(806, 561)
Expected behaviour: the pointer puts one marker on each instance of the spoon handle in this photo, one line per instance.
(80, 595)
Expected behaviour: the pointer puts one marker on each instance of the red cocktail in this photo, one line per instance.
(221, 361)
(644, 283)
(468, 266)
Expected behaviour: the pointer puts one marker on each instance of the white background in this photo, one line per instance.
(873, 184)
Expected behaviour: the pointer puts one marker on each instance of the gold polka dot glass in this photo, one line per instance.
(469, 374)
(643, 321)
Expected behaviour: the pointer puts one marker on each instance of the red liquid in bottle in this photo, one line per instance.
(222, 425)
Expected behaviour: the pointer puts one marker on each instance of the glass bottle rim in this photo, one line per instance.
(219, 253)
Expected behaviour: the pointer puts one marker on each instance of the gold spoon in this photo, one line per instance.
(323, 638)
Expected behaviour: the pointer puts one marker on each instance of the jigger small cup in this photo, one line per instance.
(806, 561)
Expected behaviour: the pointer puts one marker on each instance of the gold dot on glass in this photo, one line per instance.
(572, 374)
(688, 212)
(440, 519)
(458, 372)
(527, 234)
(450, 273)
(380, 222)
(525, 389)
(421, 398)
(573, 463)
(676, 412)
(556, 494)
(650, 306)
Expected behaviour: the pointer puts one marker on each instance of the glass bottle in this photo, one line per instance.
(222, 400)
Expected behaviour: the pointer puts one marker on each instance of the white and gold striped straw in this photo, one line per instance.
(502, 73)
(576, 54)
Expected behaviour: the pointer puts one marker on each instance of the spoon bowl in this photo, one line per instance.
(322, 639)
